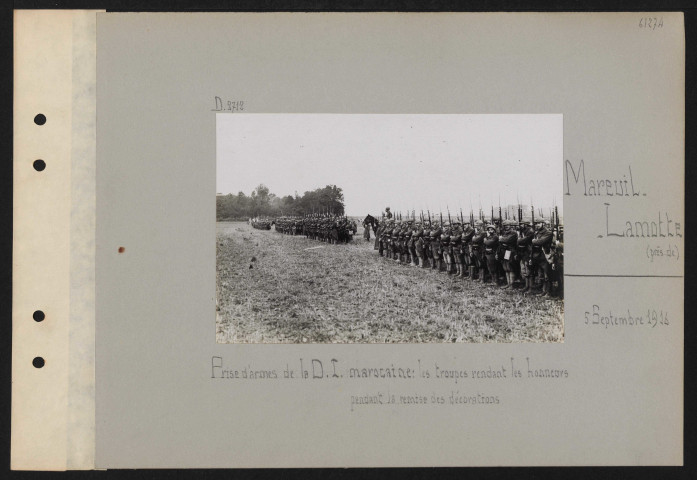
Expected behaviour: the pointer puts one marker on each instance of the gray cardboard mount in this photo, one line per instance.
(620, 88)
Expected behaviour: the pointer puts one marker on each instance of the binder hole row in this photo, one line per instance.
(39, 165)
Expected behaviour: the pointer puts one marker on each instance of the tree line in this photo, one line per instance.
(262, 203)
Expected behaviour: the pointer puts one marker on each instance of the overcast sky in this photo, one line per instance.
(401, 161)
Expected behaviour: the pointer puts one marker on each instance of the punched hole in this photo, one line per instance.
(39, 316)
(38, 362)
(39, 165)
(40, 119)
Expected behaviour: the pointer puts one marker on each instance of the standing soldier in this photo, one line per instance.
(418, 239)
(411, 244)
(524, 246)
(405, 240)
(491, 245)
(378, 234)
(477, 246)
(385, 247)
(558, 265)
(435, 246)
(428, 255)
(367, 222)
(508, 244)
(445, 248)
(541, 245)
(466, 248)
(456, 248)
(396, 248)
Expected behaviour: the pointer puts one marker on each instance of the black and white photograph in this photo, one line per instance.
(389, 228)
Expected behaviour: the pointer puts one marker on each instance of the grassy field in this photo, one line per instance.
(274, 288)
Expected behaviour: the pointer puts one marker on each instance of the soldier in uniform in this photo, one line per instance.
(455, 244)
(385, 239)
(436, 258)
(404, 240)
(466, 247)
(426, 237)
(559, 263)
(477, 246)
(366, 228)
(508, 242)
(491, 245)
(396, 247)
(541, 245)
(411, 244)
(524, 247)
(445, 247)
(418, 240)
(378, 235)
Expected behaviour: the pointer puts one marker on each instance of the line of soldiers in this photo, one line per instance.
(323, 227)
(508, 253)
(289, 225)
(260, 223)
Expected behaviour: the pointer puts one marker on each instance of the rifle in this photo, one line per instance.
(429, 217)
(560, 236)
(462, 217)
(441, 219)
(471, 212)
(449, 221)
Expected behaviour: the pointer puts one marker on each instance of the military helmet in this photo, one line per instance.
(526, 221)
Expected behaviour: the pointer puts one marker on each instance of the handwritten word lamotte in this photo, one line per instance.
(662, 224)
